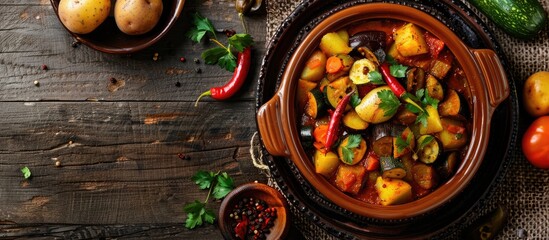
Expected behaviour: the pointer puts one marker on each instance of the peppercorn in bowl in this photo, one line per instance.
(384, 110)
(254, 211)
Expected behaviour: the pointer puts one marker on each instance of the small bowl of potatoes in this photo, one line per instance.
(118, 26)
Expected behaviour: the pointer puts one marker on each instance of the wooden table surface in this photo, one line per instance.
(120, 175)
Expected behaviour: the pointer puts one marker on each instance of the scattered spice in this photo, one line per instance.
(44, 67)
(58, 163)
(196, 60)
(253, 219)
(36, 83)
(75, 44)
(198, 70)
(182, 59)
(184, 156)
(112, 80)
(155, 56)
(178, 84)
(228, 32)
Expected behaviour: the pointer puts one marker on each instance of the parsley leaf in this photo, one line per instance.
(240, 41)
(391, 60)
(212, 55)
(202, 26)
(228, 62)
(422, 118)
(353, 141)
(428, 100)
(375, 78)
(402, 143)
(224, 185)
(426, 140)
(26, 172)
(203, 179)
(389, 102)
(355, 100)
(348, 155)
(398, 70)
(219, 185)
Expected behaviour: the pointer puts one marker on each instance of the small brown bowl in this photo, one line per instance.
(277, 119)
(259, 191)
(109, 39)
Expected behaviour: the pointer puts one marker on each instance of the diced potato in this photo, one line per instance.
(332, 44)
(325, 163)
(350, 178)
(433, 122)
(353, 121)
(434, 88)
(406, 135)
(393, 191)
(303, 88)
(453, 135)
(343, 34)
(409, 40)
(315, 67)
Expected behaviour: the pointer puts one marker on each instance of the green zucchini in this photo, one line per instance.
(315, 103)
(337, 89)
(520, 18)
(392, 168)
(427, 149)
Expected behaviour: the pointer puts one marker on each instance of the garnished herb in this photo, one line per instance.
(398, 70)
(353, 141)
(26, 172)
(221, 55)
(218, 185)
(390, 59)
(402, 143)
(459, 136)
(422, 96)
(426, 140)
(355, 100)
(389, 102)
(375, 78)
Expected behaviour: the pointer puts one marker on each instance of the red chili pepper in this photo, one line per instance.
(395, 86)
(236, 82)
(335, 120)
(393, 83)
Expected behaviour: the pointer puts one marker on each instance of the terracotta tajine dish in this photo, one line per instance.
(109, 39)
(278, 119)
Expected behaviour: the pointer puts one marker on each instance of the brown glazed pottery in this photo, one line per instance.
(277, 119)
(109, 39)
(259, 191)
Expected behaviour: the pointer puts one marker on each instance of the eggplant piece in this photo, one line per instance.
(448, 166)
(415, 79)
(371, 39)
(424, 175)
(434, 88)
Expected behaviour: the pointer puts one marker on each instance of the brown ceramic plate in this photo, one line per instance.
(108, 38)
(342, 222)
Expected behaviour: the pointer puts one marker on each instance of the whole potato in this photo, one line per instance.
(135, 17)
(536, 94)
(83, 16)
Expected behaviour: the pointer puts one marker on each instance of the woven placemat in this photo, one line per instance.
(524, 190)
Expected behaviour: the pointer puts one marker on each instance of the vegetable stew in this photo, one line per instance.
(384, 111)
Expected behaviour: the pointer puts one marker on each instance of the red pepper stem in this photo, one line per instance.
(335, 120)
(206, 93)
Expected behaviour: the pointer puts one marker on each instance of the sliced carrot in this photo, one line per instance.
(320, 134)
(334, 64)
(313, 63)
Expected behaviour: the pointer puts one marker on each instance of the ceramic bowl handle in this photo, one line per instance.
(494, 75)
(270, 127)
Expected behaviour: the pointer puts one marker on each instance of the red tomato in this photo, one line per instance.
(535, 143)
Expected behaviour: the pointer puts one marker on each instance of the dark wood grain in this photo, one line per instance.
(118, 144)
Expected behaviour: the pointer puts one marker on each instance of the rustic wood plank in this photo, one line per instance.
(33, 36)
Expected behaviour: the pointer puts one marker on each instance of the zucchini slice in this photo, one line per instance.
(428, 149)
(352, 149)
(360, 69)
(337, 89)
(392, 168)
(315, 103)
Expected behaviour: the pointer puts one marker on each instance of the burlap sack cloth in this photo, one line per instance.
(524, 190)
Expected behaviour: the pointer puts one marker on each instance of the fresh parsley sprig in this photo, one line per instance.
(403, 143)
(218, 185)
(389, 102)
(221, 55)
(422, 96)
(347, 150)
(26, 172)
